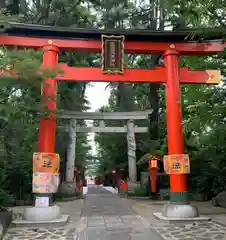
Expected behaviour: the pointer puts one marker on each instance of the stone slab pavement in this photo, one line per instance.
(103, 215)
(73, 208)
(214, 229)
(106, 216)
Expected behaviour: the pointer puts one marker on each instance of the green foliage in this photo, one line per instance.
(6, 199)
(19, 101)
(140, 191)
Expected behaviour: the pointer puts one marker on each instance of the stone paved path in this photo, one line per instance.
(40, 233)
(180, 231)
(192, 231)
(107, 217)
(49, 232)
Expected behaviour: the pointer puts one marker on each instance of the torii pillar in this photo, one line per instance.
(44, 208)
(131, 142)
(71, 152)
(179, 206)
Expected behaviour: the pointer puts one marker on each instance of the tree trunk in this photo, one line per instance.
(125, 97)
(154, 117)
(14, 7)
(158, 9)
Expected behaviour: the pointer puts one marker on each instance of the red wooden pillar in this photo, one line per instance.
(49, 90)
(178, 182)
(47, 129)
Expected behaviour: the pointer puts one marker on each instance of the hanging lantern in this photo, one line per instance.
(153, 162)
(153, 169)
(113, 171)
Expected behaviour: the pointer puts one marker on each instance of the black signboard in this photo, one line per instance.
(112, 54)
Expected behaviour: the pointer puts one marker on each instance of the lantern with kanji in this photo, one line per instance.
(153, 169)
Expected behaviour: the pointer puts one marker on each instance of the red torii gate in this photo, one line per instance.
(170, 44)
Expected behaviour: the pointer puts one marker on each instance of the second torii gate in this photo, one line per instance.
(130, 129)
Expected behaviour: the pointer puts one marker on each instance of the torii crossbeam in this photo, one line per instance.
(157, 75)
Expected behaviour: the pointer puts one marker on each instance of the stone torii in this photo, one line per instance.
(130, 129)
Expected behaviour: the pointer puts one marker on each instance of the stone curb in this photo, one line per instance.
(68, 199)
(138, 198)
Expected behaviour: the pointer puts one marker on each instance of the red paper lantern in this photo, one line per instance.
(113, 171)
(153, 162)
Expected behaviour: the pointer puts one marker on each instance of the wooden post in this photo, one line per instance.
(71, 152)
(131, 151)
(179, 207)
(178, 182)
(46, 141)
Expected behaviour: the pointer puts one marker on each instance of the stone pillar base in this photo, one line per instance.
(39, 214)
(131, 186)
(172, 210)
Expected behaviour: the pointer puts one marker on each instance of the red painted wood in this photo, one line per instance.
(153, 179)
(48, 125)
(190, 48)
(157, 75)
(178, 182)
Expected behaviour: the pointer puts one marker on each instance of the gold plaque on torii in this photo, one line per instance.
(112, 54)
